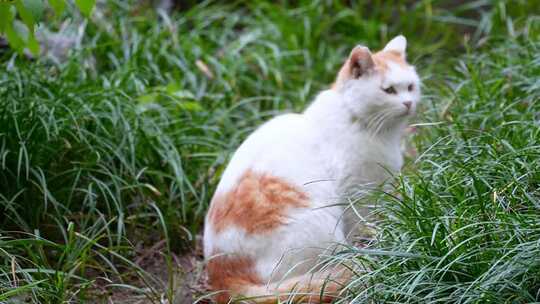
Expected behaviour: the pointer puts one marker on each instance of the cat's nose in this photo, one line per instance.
(407, 104)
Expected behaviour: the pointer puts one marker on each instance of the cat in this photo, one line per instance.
(276, 208)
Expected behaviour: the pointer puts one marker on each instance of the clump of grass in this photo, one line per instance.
(465, 227)
(80, 168)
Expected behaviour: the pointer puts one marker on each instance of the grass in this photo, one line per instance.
(465, 227)
(118, 148)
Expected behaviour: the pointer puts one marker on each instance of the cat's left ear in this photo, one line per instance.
(398, 45)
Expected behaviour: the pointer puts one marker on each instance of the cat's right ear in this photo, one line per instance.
(360, 61)
(357, 65)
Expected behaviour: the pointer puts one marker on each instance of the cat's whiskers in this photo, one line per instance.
(391, 114)
(380, 122)
(374, 120)
(371, 120)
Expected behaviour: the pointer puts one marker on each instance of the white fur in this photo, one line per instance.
(327, 151)
(398, 44)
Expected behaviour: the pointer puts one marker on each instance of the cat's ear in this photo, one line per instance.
(360, 61)
(358, 64)
(398, 45)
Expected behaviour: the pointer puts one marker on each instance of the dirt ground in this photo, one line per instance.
(188, 276)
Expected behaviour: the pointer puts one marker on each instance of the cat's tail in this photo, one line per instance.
(322, 287)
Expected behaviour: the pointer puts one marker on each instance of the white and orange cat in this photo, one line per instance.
(277, 207)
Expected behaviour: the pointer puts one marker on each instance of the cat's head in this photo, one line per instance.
(379, 89)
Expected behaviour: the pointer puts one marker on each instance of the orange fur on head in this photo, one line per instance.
(383, 58)
(361, 61)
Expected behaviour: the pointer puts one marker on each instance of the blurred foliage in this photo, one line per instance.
(19, 19)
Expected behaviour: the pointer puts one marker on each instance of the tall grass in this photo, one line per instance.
(465, 224)
(120, 146)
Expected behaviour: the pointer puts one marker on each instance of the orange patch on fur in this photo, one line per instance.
(383, 58)
(381, 61)
(229, 274)
(258, 203)
(234, 275)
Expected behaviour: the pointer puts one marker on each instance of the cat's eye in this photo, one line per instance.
(410, 87)
(390, 90)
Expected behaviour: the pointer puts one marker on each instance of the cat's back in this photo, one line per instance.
(274, 148)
